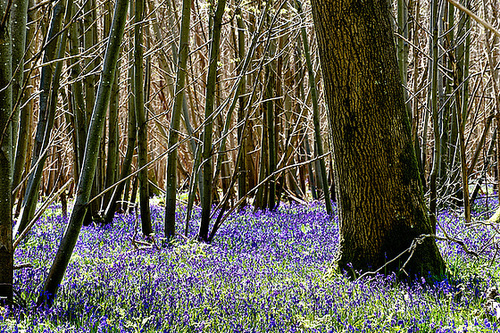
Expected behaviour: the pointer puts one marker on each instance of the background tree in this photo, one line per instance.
(6, 249)
(206, 198)
(382, 210)
(140, 114)
(173, 138)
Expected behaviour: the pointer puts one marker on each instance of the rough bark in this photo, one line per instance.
(381, 203)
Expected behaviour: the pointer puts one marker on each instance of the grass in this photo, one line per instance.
(265, 272)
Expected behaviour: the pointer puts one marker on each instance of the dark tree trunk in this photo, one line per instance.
(382, 208)
(173, 135)
(23, 137)
(126, 163)
(142, 126)
(242, 171)
(113, 125)
(206, 196)
(6, 250)
(48, 82)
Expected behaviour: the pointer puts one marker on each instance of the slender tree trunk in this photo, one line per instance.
(260, 195)
(72, 232)
(310, 167)
(6, 249)
(402, 44)
(242, 162)
(49, 83)
(270, 81)
(382, 210)
(89, 81)
(18, 21)
(23, 135)
(113, 127)
(129, 154)
(317, 128)
(78, 100)
(113, 138)
(433, 181)
(142, 126)
(173, 136)
(206, 197)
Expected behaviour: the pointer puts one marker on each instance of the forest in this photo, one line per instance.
(249, 166)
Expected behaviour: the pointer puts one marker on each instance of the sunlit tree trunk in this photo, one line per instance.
(77, 97)
(126, 164)
(113, 127)
(433, 178)
(381, 203)
(89, 81)
(173, 136)
(240, 51)
(260, 195)
(72, 232)
(206, 197)
(18, 19)
(270, 110)
(6, 249)
(142, 126)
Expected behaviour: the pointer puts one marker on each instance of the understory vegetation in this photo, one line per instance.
(265, 272)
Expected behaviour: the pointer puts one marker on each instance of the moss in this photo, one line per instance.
(409, 166)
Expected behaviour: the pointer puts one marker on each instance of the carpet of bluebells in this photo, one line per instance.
(264, 272)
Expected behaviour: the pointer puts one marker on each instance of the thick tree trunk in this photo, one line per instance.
(382, 208)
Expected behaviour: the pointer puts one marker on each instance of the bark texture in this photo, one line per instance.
(381, 203)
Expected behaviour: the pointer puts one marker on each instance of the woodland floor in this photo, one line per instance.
(265, 272)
